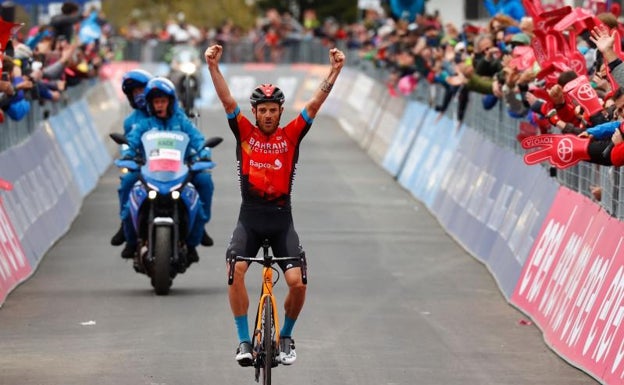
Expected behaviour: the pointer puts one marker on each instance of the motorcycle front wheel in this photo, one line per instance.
(161, 266)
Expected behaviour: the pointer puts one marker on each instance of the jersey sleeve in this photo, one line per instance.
(239, 124)
(299, 127)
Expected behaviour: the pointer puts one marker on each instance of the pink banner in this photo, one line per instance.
(572, 286)
(114, 71)
(14, 266)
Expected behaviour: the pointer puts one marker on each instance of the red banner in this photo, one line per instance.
(14, 266)
(572, 286)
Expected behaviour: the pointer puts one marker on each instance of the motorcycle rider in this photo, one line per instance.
(166, 115)
(133, 85)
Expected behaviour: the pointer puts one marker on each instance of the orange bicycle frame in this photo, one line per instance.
(267, 291)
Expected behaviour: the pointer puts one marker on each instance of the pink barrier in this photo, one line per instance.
(14, 266)
(572, 286)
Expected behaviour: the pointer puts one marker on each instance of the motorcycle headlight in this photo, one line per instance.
(175, 195)
(188, 68)
(152, 194)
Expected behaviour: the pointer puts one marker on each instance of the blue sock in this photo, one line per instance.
(287, 328)
(242, 327)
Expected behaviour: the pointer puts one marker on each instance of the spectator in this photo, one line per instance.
(16, 106)
(63, 24)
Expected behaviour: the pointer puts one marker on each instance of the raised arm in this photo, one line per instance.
(212, 56)
(336, 61)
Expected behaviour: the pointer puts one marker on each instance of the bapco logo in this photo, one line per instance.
(564, 150)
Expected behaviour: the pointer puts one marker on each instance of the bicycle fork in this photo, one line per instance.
(267, 292)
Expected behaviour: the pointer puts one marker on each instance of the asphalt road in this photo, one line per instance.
(392, 299)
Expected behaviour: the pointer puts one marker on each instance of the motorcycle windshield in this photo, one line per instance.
(164, 155)
(186, 54)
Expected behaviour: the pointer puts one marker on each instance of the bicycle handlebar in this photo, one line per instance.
(269, 261)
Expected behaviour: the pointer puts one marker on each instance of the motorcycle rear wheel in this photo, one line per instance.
(161, 267)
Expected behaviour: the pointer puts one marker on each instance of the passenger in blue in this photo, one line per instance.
(166, 115)
(132, 85)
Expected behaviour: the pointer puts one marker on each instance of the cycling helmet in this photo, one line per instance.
(161, 86)
(131, 80)
(266, 93)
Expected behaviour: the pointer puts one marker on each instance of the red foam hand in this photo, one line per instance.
(544, 19)
(7, 29)
(522, 58)
(584, 94)
(580, 19)
(551, 69)
(562, 151)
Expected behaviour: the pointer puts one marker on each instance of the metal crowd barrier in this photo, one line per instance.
(14, 132)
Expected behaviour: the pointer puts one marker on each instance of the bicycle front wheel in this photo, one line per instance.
(268, 327)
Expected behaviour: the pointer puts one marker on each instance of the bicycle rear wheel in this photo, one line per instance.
(268, 327)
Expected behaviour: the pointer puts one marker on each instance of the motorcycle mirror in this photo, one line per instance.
(213, 142)
(118, 138)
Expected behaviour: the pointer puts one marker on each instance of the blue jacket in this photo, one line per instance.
(604, 130)
(18, 106)
(133, 120)
(178, 122)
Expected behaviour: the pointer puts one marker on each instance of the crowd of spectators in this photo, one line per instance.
(531, 62)
(41, 62)
(559, 71)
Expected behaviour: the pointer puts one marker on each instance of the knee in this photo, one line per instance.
(297, 288)
(240, 269)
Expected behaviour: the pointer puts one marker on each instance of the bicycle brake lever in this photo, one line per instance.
(304, 268)
(231, 261)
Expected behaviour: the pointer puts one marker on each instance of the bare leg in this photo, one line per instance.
(296, 293)
(237, 291)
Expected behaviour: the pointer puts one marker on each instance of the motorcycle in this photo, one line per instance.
(185, 74)
(164, 204)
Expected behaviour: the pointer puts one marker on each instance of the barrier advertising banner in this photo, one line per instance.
(404, 138)
(429, 157)
(572, 286)
(44, 200)
(14, 266)
(89, 136)
(485, 203)
(70, 139)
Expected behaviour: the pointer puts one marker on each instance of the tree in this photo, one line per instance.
(197, 12)
(342, 10)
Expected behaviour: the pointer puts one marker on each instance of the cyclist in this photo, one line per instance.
(267, 155)
(133, 84)
(166, 115)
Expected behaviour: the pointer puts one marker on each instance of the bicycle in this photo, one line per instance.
(266, 334)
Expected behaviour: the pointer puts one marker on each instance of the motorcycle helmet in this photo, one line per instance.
(266, 93)
(131, 80)
(161, 86)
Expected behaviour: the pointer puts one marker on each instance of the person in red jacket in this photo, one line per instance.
(617, 153)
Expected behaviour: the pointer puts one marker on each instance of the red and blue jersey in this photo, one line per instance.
(266, 163)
